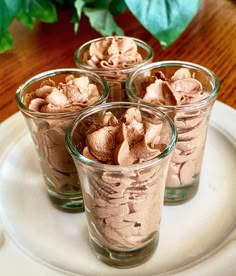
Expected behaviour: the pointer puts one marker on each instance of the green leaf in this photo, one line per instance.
(79, 4)
(41, 9)
(75, 20)
(6, 42)
(9, 10)
(117, 6)
(26, 19)
(102, 21)
(165, 19)
(98, 4)
(60, 2)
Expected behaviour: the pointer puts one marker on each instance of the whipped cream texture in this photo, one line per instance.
(181, 89)
(123, 205)
(115, 52)
(48, 132)
(114, 58)
(74, 94)
(126, 141)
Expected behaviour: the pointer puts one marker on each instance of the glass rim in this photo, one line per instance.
(54, 72)
(174, 63)
(78, 156)
(127, 70)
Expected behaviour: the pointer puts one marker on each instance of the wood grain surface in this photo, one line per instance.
(209, 40)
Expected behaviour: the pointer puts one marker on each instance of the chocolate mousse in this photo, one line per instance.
(74, 94)
(181, 89)
(114, 58)
(124, 206)
(49, 131)
(113, 52)
(126, 141)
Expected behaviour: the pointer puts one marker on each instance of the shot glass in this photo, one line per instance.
(114, 58)
(47, 128)
(123, 203)
(186, 92)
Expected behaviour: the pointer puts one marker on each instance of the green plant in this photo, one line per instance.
(164, 19)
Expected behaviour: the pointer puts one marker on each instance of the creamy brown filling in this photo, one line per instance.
(181, 89)
(112, 53)
(48, 133)
(124, 207)
(74, 94)
(115, 52)
(126, 141)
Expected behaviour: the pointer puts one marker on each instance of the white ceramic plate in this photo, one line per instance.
(197, 238)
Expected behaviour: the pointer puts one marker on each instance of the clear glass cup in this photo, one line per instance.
(48, 134)
(116, 77)
(123, 204)
(191, 121)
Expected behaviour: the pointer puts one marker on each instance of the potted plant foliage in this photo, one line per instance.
(164, 19)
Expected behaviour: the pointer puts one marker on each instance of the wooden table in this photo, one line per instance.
(210, 40)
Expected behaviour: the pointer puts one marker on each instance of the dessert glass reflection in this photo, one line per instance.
(122, 151)
(186, 92)
(114, 58)
(49, 101)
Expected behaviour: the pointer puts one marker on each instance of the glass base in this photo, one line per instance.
(69, 203)
(124, 259)
(181, 194)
